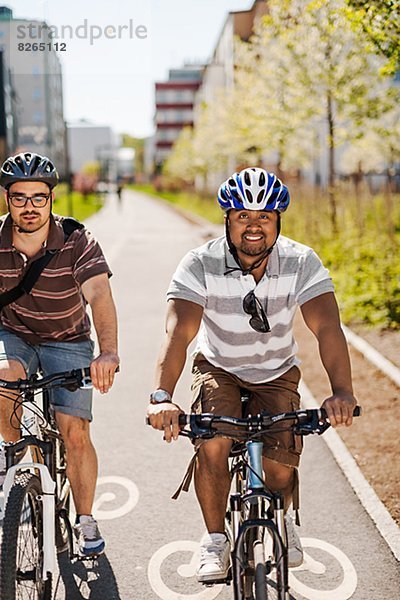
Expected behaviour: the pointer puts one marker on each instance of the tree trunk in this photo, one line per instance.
(331, 161)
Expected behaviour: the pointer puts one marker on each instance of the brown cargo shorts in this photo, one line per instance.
(217, 391)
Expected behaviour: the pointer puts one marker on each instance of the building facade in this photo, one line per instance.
(37, 81)
(8, 112)
(89, 143)
(219, 75)
(174, 108)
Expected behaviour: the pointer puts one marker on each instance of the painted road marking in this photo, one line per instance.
(186, 570)
(343, 591)
(100, 510)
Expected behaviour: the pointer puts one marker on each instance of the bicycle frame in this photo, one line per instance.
(255, 496)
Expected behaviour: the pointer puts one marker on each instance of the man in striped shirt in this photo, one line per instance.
(49, 327)
(239, 293)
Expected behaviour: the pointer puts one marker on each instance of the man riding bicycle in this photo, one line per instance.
(48, 328)
(241, 292)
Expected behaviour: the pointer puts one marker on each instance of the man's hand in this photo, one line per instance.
(102, 371)
(165, 416)
(339, 409)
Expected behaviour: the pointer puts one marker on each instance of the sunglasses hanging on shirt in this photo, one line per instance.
(252, 306)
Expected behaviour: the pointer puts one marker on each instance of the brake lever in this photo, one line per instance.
(317, 425)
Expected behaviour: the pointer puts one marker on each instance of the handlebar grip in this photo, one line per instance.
(357, 412)
(183, 420)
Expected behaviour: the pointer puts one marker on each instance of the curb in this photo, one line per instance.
(372, 355)
(365, 493)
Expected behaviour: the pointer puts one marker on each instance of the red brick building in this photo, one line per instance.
(174, 108)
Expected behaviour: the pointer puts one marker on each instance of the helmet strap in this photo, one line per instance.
(233, 250)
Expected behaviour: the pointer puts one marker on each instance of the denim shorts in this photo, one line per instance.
(53, 357)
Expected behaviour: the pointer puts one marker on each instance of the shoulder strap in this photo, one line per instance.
(69, 225)
(33, 273)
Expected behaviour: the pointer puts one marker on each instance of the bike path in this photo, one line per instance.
(155, 240)
(152, 540)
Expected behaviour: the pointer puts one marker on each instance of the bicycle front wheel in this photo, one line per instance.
(63, 502)
(22, 547)
(260, 571)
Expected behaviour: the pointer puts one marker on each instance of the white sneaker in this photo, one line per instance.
(90, 542)
(214, 558)
(295, 549)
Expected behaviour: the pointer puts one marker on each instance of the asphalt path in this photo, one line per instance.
(152, 541)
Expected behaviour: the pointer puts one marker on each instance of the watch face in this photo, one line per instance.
(160, 396)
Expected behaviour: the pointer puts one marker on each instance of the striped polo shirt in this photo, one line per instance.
(55, 310)
(293, 276)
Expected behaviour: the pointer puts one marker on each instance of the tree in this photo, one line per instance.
(180, 162)
(138, 144)
(332, 66)
(380, 20)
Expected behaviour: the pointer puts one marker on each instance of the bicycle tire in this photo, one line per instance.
(260, 571)
(23, 529)
(63, 498)
(248, 575)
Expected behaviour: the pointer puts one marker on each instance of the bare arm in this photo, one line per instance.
(321, 315)
(182, 324)
(97, 293)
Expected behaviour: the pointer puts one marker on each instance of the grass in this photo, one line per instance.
(76, 204)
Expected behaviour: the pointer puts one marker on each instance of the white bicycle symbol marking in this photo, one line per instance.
(343, 591)
(99, 507)
(186, 570)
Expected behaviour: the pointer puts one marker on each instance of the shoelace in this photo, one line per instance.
(89, 529)
(212, 553)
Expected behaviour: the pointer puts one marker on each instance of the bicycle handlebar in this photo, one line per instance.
(306, 421)
(68, 379)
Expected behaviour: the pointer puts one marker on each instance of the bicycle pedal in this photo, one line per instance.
(215, 582)
(226, 581)
(83, 558)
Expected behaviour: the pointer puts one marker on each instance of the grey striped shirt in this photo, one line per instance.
(293, 276)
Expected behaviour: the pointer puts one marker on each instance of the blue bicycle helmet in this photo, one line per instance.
(253, 189)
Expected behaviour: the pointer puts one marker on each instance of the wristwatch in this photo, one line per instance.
(160, 396)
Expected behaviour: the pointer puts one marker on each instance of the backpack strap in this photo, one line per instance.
(69, 225)
(31, 276)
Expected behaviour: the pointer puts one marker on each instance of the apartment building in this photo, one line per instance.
(8, 112)
(174, 100)
(37, 82)
(219, 75)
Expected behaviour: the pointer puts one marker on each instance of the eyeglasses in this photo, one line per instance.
(38, 201)
(252, 306)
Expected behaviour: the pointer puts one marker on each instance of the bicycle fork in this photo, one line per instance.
(47, 498)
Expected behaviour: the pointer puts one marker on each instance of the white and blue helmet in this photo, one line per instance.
(253, 189)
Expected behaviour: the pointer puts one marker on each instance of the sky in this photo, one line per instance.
(110, 80)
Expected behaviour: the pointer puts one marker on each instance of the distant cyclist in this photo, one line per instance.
(49, 328)
(240, 292)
